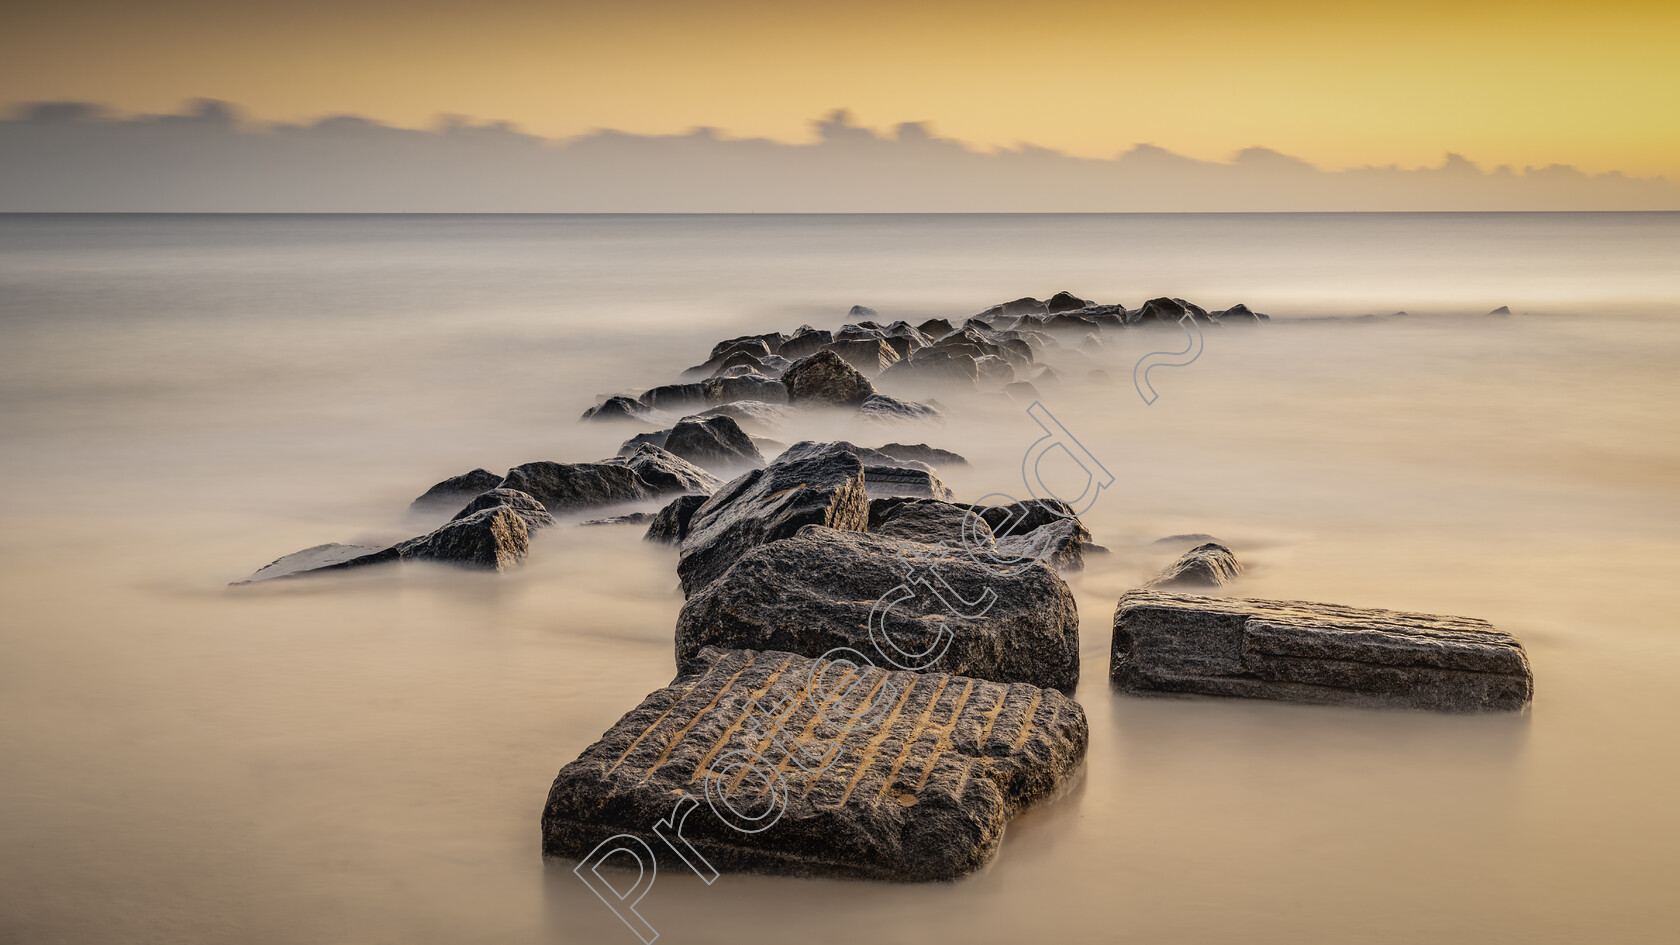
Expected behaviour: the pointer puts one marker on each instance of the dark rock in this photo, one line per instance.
(617, 408)
(1206, 565)
(665, 472)
(561, 487)
(1501, 310)
(935, 328)
(724, 390)
(921, 791)
(675, 397)
(714, 442)
(1239, 314)
(1194, 309)
(880, 481)
(1023, 306)
(629, 518)
(870, 356)
(750, 415)
(880, 407)
(813, 592)
(824, 379)
(768, 505)
(1324, 653)
(492, 539)
(754, 347)
(921, 453)
(994, 370)
(1157, 311)
(861, 311)
(522, 505)
(931, 369)
(753, 344)
(1185, 540)
(928, 521)
(670, 524)
(805, 342)
(1061, 544)
(450, 494)
(1066, 302)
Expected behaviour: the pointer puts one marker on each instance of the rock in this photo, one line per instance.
(881, 408)
(1185, 540)
(750, 415)
(921, 453)
(805, 342)
(1324, 653)
(935, 328)
(1206, 565)
(670, 524)
(1066, 302)
(928, 521)
(919, 791)
(1022, 306)
(824, 379)
(1161, 311)
(1501, 310)
(993, 370)
(1239, 314)
(1060, 544)
(617, 408)
(1022, 391)
(724, 390)
(674, 397)
(758, 345)
(320, 557)
(492, 539)
(882, 481)
(630, 518)
(664, 472)
(452, 493)
(935, 369)
(768, 505)
(814, 591)
(869, 356)
(562, 487)
(714, 442)
(521, 504)
(861, 311)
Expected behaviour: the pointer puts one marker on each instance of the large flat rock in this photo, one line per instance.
(919, 788)
(816, 591)
(1323, 653)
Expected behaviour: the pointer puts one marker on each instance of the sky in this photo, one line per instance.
(1339, 85)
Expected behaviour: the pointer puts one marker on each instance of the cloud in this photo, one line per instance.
(79, 156)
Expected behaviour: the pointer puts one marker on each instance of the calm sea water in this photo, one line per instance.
(183, 399)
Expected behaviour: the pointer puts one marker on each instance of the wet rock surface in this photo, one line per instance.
(815, 591)
(1206, 565)
(669, 525)
(770, 504)
(452, 493)
(824, 379)
(522, 505)
(1322, 653)
(922, 794)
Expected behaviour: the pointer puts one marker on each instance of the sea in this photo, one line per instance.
(364, 758)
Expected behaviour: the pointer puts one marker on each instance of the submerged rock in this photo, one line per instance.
(725, 390)
(770, 504)
(452, 493)
(1206, 565)
(492, 539)
(883, 409)
(618, 408)
(709, 442)
(629, 518)
(320, 557)
(665, 472)
(815, 591)
(921, 453)
(647, 474)
(522, 505)
(1323, 653)
(918, 788)
(824, 379)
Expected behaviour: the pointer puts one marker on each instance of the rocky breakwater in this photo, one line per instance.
(1322, 653)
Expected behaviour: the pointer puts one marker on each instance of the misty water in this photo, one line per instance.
(364, 758)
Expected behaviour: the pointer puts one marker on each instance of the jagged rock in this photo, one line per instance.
(1022, 306)
(1066, 302)
(861, 311)
(921, 453)
(665, 472)
(880, 481)
(629, 518)
(932, 369)
(768, 505)
(928, 521)
(935, 328)
(753, 347)
(617, 408)
(522, 505)
(1157, 311)
(1305, 652)
(562, 487)
(1061, 544)
(674, 397)
(1239, 314)
(670, 524)
(814, 591)
(881, 408)
(1206, 565)
(768, 343)
(320, 557)
(994, 370)
(805, 342)
(724, 390)
(1194, 309)
(869, 356)
(918, 791)
(452, 493)
(713, 442)
(824, 379)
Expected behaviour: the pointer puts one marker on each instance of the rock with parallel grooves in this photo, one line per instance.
(816, 591)
(918, 788)
(1323, 653)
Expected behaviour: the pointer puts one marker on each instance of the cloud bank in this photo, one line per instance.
(72, 156)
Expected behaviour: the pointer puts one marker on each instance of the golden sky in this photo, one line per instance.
(1340, 84)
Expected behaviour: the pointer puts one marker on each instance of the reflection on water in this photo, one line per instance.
(365, 758)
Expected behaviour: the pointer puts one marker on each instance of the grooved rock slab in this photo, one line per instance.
(769, 504)
(1324, 653)
(921, 794)
(813, 592)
